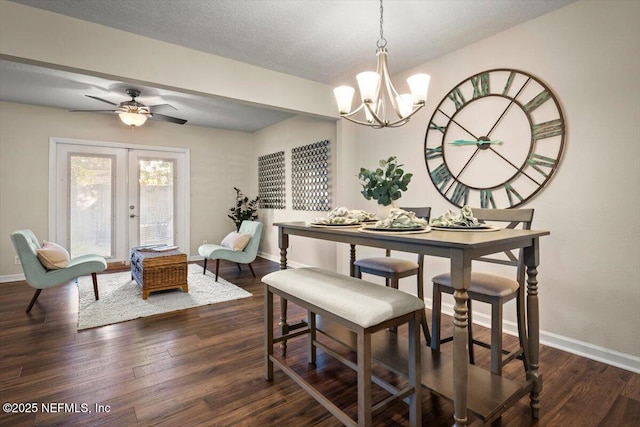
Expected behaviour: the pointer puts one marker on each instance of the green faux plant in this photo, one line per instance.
(244, 209)
(386, 183)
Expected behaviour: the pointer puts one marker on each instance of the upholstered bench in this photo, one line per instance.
(360, 306)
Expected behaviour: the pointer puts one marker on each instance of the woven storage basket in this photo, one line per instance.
(159, 270)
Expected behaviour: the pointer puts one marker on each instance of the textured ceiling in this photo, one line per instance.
(320, 40)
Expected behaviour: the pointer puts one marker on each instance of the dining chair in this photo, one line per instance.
(394, 269)
(493, 289)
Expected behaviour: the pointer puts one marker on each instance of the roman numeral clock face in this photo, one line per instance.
(495, 140)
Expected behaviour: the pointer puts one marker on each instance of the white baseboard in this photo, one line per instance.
(275, 258)
(570, 345)
(580, 348)
(11, 278)
(261, 255)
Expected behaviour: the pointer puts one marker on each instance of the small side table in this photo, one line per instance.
(159, 270)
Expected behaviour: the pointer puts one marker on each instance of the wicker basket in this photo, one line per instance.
(156, 271)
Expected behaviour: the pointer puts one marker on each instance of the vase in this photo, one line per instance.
(384, 211)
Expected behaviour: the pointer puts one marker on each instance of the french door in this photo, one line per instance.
(110, 197)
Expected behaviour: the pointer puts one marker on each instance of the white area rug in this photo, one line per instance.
(121, 298)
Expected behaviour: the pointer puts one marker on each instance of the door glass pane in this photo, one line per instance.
(156, 180)
(90, 204)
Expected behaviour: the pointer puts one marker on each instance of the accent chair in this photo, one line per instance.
(245, 256)
(40, 277)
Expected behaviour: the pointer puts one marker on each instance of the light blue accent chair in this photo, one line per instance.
(245, 256)
(38, 277)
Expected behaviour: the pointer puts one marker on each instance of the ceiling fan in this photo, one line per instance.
(134, 113)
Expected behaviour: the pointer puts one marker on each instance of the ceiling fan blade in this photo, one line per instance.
(100, 99)
(163, 118)
(94, 111)
(162, 105)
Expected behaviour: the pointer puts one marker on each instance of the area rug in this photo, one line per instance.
(121, 298)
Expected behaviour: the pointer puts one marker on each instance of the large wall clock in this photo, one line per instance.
(495, 140)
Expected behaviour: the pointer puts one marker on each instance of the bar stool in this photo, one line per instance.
(394, 269)
(492, 289)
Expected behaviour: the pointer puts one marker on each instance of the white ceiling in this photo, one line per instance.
(321, 40)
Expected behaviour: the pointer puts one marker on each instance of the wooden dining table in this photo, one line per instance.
(470, 388)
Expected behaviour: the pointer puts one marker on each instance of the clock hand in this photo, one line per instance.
(459, 142)
(480, 144)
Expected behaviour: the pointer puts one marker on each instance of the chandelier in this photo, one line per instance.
(376, 90)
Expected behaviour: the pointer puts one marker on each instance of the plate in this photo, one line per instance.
(316, 224)
(396, 230)
(475, 227)
(485, 227)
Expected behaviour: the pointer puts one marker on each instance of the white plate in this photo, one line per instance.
(483, 228)
(315, 224)
(376, 230)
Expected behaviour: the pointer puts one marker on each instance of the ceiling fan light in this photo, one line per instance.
(419, 85)
(132, 119)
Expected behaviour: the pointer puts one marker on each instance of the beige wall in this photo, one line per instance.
(288, 134)
(589, 54)
(589, 277)
(220, 160)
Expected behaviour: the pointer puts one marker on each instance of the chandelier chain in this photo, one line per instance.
(382, 42)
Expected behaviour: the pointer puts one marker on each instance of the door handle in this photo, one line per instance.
(133, 216)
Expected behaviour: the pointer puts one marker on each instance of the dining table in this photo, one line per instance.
(478, 396)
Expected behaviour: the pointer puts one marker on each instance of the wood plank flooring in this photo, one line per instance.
(204, 366)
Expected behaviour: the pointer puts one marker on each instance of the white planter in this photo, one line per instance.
(383, 211)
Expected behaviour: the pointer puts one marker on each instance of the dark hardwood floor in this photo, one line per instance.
(204, 366)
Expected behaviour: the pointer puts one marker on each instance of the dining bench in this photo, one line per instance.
(360, 306)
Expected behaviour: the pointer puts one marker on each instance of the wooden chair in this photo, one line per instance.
(492, 289)
(394, 269)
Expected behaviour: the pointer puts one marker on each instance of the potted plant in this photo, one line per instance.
(244, 209)
(386, 183)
